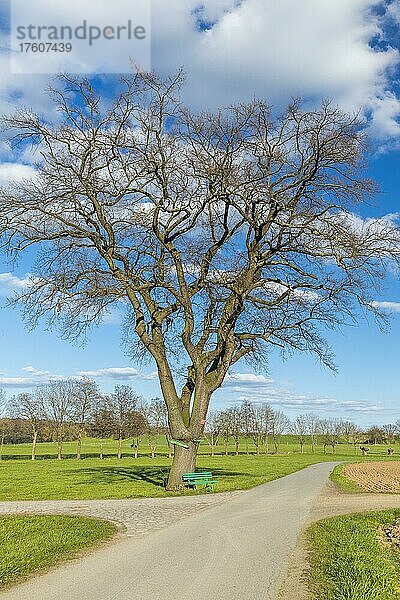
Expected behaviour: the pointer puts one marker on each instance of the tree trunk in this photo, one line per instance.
(226, 446)
(59, 449)
(33, 455)
(1, 447)
(184, 461)
(101, 449)
(79, 446)
(119, 451)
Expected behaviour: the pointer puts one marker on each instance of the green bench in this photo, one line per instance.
(205, 478)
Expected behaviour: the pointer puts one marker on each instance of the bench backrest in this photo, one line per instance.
(201, 475)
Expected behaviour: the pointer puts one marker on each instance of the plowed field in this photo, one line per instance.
(375, 476)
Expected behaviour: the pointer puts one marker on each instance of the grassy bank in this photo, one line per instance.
(351, 559)
(32, 543)
(338, 477)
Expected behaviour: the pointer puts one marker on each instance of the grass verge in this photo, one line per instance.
(349, 563)
(32, 543)
(338, 477)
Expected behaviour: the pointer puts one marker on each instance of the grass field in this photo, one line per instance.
(32, 543)
(23, 479)
(351, 559)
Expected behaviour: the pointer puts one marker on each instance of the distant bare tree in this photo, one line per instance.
(157, 417)
(331, 430)
(56, 399)
(246, 421)
(312, 429)
(258, 427)
(3, 425)
(268, 418)
(348, 430)
(279, 425)
(300, 428)
(235, 423)
(213, 430)
(225, 428)
(375, 435)
(223, 233)
(104, 424)
(29, 407)
(123, 404)
(84, 403)
(356, 438)
(390, 430)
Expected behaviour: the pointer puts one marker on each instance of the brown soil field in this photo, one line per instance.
(381, 477)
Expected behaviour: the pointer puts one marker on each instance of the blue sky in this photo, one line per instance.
(345, 50)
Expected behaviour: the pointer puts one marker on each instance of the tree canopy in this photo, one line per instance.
(221, 234)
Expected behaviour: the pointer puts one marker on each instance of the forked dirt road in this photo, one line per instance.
(237, 550)
(234, 546)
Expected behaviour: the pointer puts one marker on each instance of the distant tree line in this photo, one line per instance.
(73, 409)
(70, 410)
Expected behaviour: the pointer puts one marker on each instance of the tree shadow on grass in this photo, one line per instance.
(153, 475)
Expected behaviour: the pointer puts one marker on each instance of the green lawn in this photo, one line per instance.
(31, 543)
(23, 479)
(349, 563)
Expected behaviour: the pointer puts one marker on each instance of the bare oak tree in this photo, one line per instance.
(225, 233)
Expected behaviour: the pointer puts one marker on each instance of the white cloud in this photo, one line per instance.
(118, 373)
(258, 388)
(270, 49)
(281, 49)
(390, 306)
(246, 378)
(10, 283)
(35, 378)
(10, 172)
(23, 382)
(36, 372)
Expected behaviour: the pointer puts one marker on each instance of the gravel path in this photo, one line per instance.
(137, 516)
